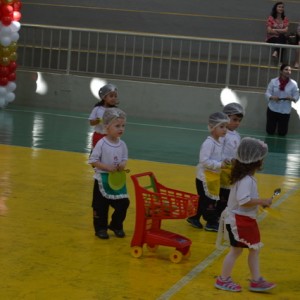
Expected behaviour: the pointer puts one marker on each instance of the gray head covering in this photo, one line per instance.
(251, 150)
(111, 114)
(217, 119)
(233, 108)
(106, 89)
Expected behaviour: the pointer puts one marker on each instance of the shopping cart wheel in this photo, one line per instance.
(186, 251)
(188, 254)
(136, 251)
(176, 257)
(152, 248)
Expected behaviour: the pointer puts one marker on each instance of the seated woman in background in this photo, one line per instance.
(277, 28)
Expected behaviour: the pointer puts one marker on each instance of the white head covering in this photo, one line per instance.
(111, 114)
(233, 108)
(106, 89)
(251, 150)
(217, 119)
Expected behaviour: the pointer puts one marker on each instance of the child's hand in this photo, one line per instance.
(121, 166)
(226, 163)
(267, 202)
(111, 168)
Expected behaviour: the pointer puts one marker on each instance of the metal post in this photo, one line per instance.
(228, 68)
(69, 53)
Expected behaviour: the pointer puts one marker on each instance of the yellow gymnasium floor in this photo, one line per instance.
(47, 246)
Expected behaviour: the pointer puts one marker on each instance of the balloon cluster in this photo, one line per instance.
(9, 26)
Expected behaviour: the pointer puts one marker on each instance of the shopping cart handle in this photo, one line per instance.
(146, 176)
(142, 175)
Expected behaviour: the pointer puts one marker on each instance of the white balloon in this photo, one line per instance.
(2, 102)
(10, 87)
(10, 97)
(5, 41)
(15, 26)
(6, 30)
(14, 36)
(3, 91)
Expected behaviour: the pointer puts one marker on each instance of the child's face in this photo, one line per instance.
(116, 128)
(111, 99)
(219, 131)
(234, 123)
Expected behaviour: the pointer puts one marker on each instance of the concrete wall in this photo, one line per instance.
(141, 99)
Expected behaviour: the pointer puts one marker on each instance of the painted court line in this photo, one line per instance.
(193, 273)
(215, 254)
(148, 125)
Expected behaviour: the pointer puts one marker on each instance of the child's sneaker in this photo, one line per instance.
(227, 285)
(195, 223)
(212, 227)
(261, 285)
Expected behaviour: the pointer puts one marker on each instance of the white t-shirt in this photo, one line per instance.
(97, 113)
(108, 153)
(231, 141)
(241, 193)
(210, 157)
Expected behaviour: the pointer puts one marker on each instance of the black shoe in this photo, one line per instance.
(118, 232)
(195, 223)
(102, 234)
(212, 227)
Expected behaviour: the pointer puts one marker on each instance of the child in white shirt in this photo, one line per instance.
(108, 98)
(208, 173)
(240, 216)
(109, 155)
(231, 141)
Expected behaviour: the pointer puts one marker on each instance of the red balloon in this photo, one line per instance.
(7, 10)
(4, 71)
(17, 6)
(16, 16)
(6, 20)
(3, 81)
(12, 66)
(12, 77)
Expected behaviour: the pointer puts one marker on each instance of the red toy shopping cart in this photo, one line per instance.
(155, 202)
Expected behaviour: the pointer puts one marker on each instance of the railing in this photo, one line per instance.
(170, 59)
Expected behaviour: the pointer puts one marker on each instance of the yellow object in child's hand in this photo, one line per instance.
(99, 121)
(212, 183)
(225, 178)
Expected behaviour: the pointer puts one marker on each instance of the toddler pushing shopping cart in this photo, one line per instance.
(155, 202)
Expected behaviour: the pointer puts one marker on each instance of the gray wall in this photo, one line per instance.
(142, 99)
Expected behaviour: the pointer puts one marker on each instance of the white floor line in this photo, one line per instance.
(192, 274)
(215, 254)
(148, 125)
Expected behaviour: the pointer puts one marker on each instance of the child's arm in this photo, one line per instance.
(95, 122)
(263, 202)
(95, 117)
(206, 151)
(104, 167)
(122, 165)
